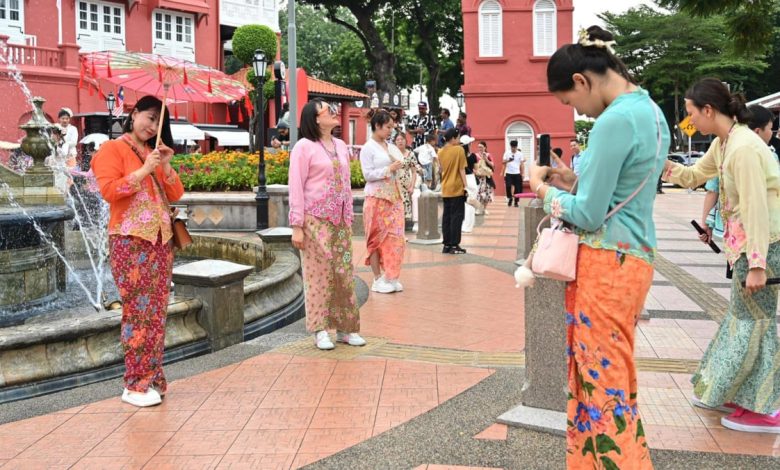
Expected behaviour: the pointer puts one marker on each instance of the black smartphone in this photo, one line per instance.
(544, 149)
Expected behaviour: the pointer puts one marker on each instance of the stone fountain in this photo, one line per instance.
(32, 222)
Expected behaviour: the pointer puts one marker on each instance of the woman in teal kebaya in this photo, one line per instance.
(625, 156)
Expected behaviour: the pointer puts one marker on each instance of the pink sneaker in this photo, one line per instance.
(748, 421)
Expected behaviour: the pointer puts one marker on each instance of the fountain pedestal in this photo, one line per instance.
(32, 223)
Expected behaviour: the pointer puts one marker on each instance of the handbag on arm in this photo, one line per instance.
(181, 236)
(555, 256)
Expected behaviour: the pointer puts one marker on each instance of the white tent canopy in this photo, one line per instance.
(186, 132)
(770, 102)
(230, 138)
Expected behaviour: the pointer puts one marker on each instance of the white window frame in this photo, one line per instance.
(523, 133)
(167, 35)
(491, 29)
(352, 131)
(545, 11)
(14, 28)
(96, 14)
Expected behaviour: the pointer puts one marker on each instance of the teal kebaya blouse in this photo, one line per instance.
(623, 149)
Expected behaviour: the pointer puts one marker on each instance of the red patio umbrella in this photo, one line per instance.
(161, 76)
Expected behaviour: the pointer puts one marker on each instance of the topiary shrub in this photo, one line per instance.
(249, 37)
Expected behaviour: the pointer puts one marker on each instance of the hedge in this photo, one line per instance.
(230, 170)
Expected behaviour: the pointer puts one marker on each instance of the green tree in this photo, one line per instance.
(397, 37)
(248, 38)
(435, 30)
(668, 52)
(325, 49)
(749, 22)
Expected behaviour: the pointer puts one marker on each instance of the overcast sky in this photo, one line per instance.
(586, 11)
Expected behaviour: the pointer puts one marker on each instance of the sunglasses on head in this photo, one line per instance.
(331, 108)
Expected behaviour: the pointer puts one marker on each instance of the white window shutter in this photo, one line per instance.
(490, 29)
(545, 28)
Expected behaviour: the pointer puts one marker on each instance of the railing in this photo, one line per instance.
(33, 56)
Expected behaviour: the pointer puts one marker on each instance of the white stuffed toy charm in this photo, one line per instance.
(524, 277)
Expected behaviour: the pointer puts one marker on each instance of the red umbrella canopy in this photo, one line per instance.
(162, 76)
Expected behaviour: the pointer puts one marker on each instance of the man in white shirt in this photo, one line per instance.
(513, 173)
(426, 154)
(71, 133)
(576, 156)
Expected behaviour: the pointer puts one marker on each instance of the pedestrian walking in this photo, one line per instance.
(136, 179)
(740, 370)
(422, 124)
(444, 125)
(484, 173)
(576, 156)
(383, 209)
(626, 153)
(469, 217)
(407, 175)
(426, 156)
(321, 219)
(513, 173)
(452, 159)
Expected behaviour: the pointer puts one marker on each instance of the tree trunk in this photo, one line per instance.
(382, 61)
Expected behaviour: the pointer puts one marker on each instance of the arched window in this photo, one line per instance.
(545, 29)
(523, 133)
(490, 29)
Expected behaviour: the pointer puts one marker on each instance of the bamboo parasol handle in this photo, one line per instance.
(162, 116)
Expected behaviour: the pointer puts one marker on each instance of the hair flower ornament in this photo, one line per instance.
(586, 41)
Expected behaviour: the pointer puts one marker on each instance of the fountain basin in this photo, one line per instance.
(30, 271)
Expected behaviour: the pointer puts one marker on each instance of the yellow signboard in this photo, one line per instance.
(687, 126)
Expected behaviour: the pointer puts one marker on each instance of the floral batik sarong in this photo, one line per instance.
(383, 221)
(742, 362)
(602, 306)
(142, 272)
(328, 284)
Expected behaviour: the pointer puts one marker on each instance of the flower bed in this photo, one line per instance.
(229, 170)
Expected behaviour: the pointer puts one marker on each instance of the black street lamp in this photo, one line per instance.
(261, 198)
(110, 104)
(461, 99)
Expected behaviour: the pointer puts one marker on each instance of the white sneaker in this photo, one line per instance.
(414, 229)
(352, 339)
(322, 338)
(140, 399)
(381, 286)
(396, 285)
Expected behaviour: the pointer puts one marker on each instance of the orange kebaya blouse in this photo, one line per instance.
(136, 207)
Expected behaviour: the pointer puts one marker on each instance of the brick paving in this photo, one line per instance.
(441, 336)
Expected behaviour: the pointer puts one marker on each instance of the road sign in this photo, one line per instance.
(687, 126)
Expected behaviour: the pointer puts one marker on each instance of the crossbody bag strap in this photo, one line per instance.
(154, 177)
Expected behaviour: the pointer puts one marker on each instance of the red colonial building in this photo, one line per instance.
(43, 38)
(507, 44)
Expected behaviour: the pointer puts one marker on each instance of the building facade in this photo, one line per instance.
(42, 40)
(507, 45)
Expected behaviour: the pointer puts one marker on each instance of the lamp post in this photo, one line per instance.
(110, 104)
(461, 100)
(261, 198)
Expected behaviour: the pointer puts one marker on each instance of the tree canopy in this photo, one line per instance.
(396, 39)
(750, 23)
(669, 52)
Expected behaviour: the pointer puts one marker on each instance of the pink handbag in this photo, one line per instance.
(556, 253)
(556, 247)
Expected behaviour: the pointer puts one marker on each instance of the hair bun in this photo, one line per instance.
(598, 33)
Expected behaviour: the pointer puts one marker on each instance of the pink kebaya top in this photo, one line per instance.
(319, 183)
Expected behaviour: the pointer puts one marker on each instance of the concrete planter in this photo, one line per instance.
(236, 211)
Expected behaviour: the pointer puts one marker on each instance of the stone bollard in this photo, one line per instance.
(220, 286)
(543, 405)
(428, 219)
(277, 238)
(526, 231)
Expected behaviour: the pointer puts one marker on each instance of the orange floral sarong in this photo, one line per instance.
(383, 221)
(604, 428)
